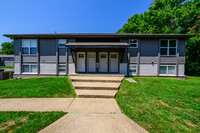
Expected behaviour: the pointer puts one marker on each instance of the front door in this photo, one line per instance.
(113, 62)
(80, 61)
(91, 61)
(103, 61)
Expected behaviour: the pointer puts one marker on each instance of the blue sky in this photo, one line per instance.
(66, 16)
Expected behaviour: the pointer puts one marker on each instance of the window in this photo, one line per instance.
(80, 55)
(133, 43)
(132, 68)
(170, 70)
(30, 68)
(113, 55)
(168, 47)
(61, 43)
(29, 46)
(103, 55)
(62, 67)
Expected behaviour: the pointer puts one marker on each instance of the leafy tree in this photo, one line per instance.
(171, 16)
(7, 48)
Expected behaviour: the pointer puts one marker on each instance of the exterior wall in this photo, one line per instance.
(9, 63)
(148, 69)
(146, 56)
(17, 68)
(48, 68)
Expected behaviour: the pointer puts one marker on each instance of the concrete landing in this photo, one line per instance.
(96, 79)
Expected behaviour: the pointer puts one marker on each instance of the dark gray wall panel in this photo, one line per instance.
(181, 47)
(16, 47)
(47, 47)
(133, 52)
(124, 40)
(29, 58)
(62, 51)
(148, 59)
(168, 59)
(149, 47)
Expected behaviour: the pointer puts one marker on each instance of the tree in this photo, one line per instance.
(171, 16)
(7, 48)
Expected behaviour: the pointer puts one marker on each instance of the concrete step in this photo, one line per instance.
(95, 79)
(96, 85)
(96, 93)
(97, 75)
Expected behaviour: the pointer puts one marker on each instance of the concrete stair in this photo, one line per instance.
(96, 85)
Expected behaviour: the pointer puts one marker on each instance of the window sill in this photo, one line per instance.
(28, 73)
(167, 55)
(167, 75)
(29, 55)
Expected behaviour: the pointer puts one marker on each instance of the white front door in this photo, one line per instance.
(103, 61)
(113, 59)
(80, 61)
(91, 61)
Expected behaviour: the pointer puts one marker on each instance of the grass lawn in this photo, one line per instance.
(36, 87)
(29, 122)
(7, 67)
(162, 104)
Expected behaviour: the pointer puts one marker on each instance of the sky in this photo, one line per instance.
(66, 16)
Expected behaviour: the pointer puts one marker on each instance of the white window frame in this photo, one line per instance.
(61, 43)
(167, 71)
(135, 68)
(30, 46)
(129, 41)
(29, 68)
(168, 40)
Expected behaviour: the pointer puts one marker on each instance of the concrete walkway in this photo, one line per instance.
(85, 115)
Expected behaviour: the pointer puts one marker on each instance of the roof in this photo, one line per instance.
(101, 35)
(97, 44)
(6, 56)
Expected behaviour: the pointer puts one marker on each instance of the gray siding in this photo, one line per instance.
(47, 50)
(148, 59)
(29, 58)
(149, 47)
(167, 59)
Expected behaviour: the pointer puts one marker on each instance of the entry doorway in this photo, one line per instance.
(103, 61)
(113, 62)
(80, 61)
(91, 61)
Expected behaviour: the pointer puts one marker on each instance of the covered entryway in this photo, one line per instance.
(103, 61)
(80, 61)
(113, 62)
(91, 61)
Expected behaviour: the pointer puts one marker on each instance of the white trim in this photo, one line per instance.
(168, 46)
(133, 43)
(167, 71)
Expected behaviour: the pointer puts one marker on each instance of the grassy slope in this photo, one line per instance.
(162, 104)
(29, 122)
(37, 87)
(7, 67)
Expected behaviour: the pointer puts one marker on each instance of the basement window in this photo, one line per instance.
(29, 68)
(132, 69)
(167, 70)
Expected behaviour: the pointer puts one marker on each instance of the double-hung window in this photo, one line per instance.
(29, 68)
(61, 43)
(29, 46)
(167, 70)
(168, 47)
(133, 43)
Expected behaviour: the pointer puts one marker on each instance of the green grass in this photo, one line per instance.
(29, 122)
(7, 67)
(162, 104)
(36, 87)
